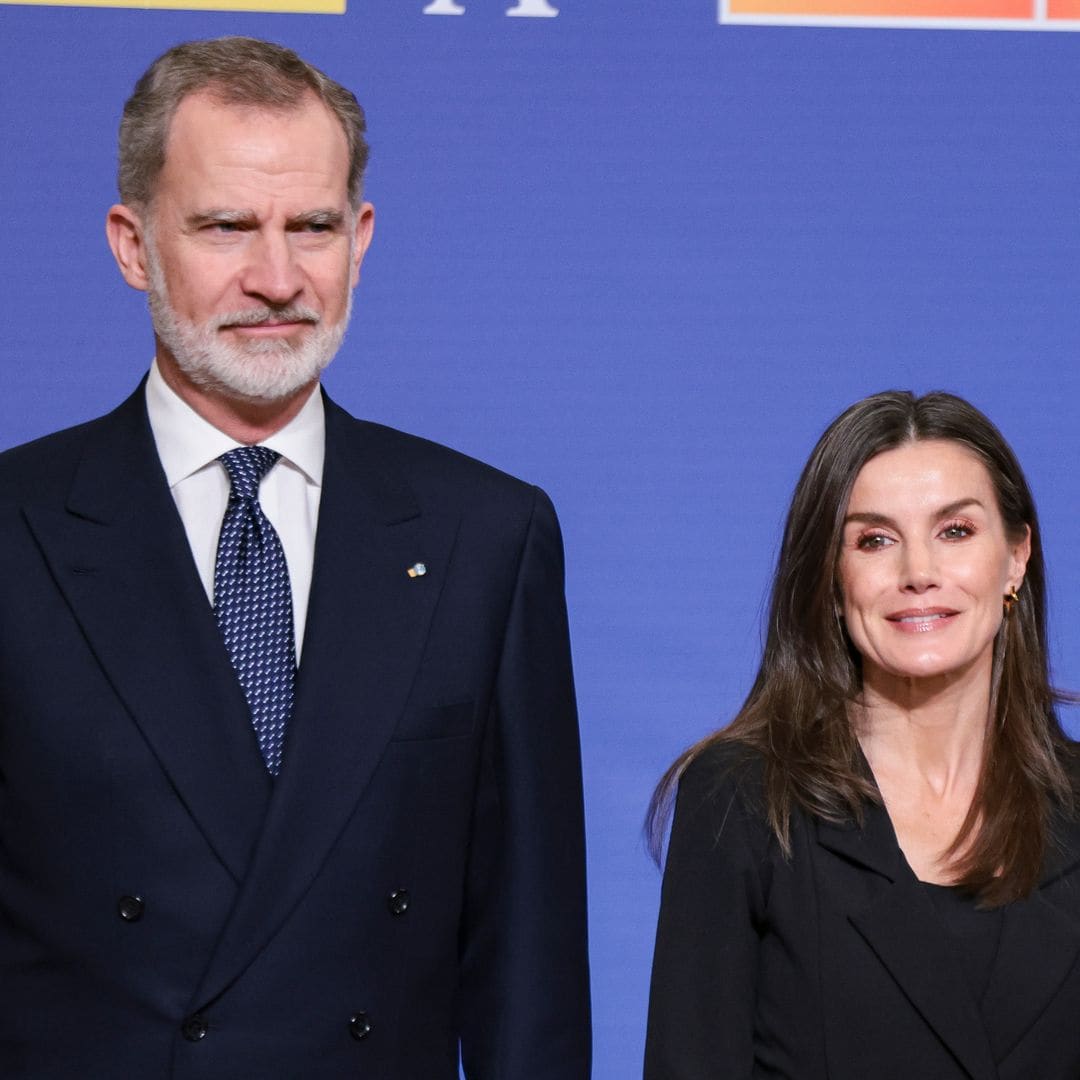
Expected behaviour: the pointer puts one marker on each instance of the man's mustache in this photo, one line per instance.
(261, 316)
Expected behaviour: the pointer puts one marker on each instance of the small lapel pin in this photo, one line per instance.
(417, 570)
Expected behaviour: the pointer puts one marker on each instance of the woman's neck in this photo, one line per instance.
(932, 730)
(925, 747)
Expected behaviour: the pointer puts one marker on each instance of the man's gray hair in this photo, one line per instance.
(236, 71)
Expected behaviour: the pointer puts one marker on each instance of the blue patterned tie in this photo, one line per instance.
(253, 601)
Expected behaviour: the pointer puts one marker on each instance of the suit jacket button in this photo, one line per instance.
(130, 908)
(194, 1029)
(359, 1026)
(398, 901)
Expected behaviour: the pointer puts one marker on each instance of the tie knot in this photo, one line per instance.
(246, 466)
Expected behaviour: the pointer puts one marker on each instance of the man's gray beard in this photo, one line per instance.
(259, 370)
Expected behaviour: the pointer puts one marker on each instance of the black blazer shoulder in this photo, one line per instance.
(720, 793)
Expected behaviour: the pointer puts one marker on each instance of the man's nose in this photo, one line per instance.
(272, 272)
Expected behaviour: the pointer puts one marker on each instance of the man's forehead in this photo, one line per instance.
(211, 100)
(207, 131)
(205, 110)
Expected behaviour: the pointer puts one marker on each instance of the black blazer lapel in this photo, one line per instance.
(902, 928)
(1038, 948)
(367, 625)
(120, 558)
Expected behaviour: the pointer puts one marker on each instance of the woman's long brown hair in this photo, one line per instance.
(797, 712)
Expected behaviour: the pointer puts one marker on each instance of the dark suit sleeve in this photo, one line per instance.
(702, 999)
(524, 996)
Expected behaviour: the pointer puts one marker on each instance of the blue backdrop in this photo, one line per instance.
(640, 258)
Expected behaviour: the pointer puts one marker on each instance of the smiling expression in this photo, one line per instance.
(925, 562)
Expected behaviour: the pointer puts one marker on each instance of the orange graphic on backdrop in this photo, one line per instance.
(918, 9)
(983, 14)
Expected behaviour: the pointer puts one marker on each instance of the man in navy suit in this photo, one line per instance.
(306, 803)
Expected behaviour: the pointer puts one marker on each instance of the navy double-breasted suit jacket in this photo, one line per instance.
(414, 878)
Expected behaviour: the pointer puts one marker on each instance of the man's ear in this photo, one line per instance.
(365, 228)
(125, 233)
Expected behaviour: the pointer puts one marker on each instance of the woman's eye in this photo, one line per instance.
(872, 541)
(957, 531)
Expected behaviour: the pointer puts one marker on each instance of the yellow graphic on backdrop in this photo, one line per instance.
(303, 7)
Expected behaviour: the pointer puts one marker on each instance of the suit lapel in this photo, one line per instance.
(367, 624)
(902, 928)
(120, 558)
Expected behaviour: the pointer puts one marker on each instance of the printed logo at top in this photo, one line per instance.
(939, 14)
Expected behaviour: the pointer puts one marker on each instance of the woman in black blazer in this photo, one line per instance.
(874, 871)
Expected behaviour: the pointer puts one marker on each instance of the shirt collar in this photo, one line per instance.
(187, 443)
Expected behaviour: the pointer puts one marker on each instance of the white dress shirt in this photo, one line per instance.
(289, 494)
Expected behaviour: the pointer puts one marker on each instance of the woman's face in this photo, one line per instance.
(925, 563)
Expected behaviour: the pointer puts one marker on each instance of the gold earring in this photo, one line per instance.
(1010, 598)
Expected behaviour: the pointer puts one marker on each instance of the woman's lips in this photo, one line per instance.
(921, 620)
